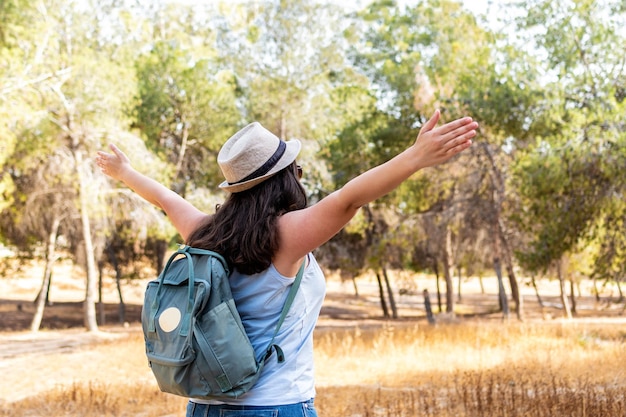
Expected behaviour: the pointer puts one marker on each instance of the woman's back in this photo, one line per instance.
(260, 299)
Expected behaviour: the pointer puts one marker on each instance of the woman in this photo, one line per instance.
(265, 231)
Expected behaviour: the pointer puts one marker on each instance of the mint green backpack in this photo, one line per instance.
(195, 342)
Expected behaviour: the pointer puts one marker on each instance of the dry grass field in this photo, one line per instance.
(477, 369)
(366, 366)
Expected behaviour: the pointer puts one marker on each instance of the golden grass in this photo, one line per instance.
(99, 399)
(399, 370)
(397, 355)
(474, 370)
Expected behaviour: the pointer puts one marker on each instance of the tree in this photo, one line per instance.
(567, 177)
(186, 104)
(481, 76)
(21, 47)
(81, 92)
(288, 58)
(609, 261)
(186, 108)
(417, 58)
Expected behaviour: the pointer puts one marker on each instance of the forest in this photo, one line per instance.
(540, 194)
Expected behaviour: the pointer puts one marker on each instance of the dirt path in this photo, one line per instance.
(23, 344)
(31, 363)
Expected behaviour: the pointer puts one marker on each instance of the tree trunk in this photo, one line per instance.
(48, 302)
(122, 306)
(118, 282)
(428, 308)
(564, 300)
(381, 291)
(101, 311)
(482, 284)
(436, 268)
(90, 292)
(497, 266)
(44, 292)
(508, 263)
(595, 288)
(502, 300)
(504, 303)
(448, 274)
(392, 300)
(459, 297)
(74, 145)
(183, 149)
(161, 251)
(537, 291)
(356, 288)
(504, 252)
(572, 296)
(42, 298)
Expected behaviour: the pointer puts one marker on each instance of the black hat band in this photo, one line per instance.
(267, 166)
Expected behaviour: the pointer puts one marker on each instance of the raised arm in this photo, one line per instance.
(304, 230)
(183, 215)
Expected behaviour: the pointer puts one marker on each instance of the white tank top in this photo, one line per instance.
(260, 299)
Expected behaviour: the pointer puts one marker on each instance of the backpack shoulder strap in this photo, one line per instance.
(154, 307)
(290, 297)
(197, 251)
(186, 251)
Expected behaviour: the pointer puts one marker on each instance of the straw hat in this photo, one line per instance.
(252, 155)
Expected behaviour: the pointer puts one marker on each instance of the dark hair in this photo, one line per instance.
(243, 228)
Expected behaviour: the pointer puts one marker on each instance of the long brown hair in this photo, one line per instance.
(243, 228)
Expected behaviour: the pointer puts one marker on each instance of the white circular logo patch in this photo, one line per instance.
(169, 319)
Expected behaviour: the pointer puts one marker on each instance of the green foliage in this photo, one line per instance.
(562, 190)
(568, 180)
(288, 57)
(185, 108)
(360, 146)
(431, 54)
(170, 82)
(610, 259)
(8, 142)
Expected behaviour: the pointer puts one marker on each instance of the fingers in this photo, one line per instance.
(115, 149)
(432, 122)
(121, 156)
(107, 161)
(112, 164)
(461, 141)
(449, 130)
(459, 147)
(464, 123)
(464, 130)
(104, 157)
(101, 159)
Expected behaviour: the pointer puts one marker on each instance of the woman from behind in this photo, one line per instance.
(266, 231)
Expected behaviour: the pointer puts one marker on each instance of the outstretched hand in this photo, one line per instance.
(183, 215)
(436, 145)
(112, 164)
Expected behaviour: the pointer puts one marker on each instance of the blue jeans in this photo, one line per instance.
(303, 409)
